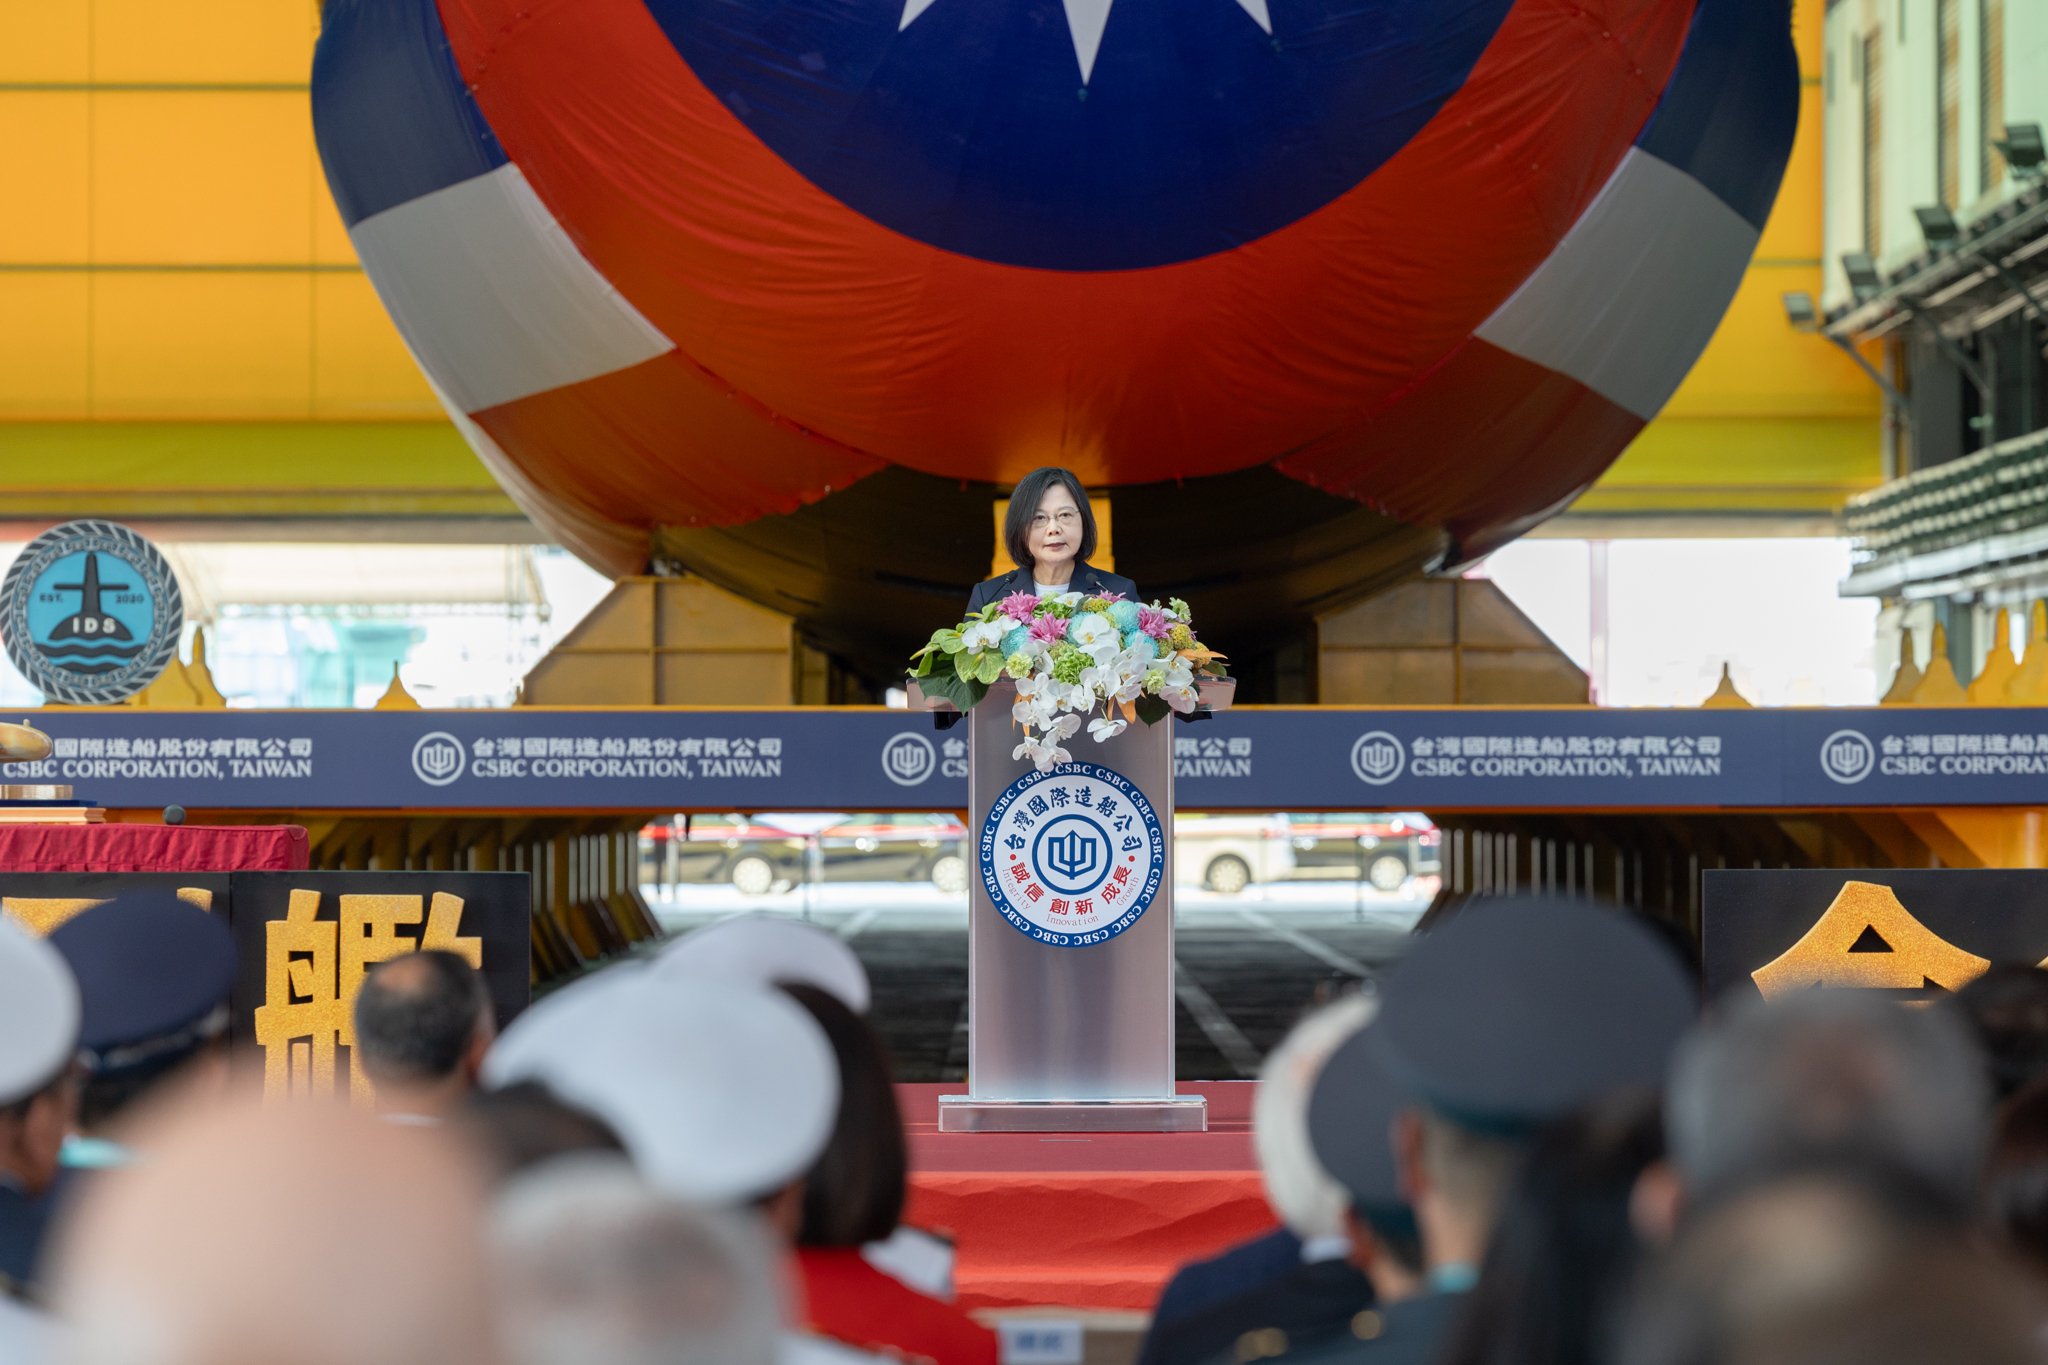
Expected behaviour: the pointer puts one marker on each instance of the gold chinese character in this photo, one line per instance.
(313, 970)
(41, 915)
(299, 1023)
(1906, 954)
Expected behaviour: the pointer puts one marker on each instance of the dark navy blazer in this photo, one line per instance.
(1088, 581)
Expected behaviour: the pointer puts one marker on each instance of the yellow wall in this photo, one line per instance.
(1770, 419)
(169, 250)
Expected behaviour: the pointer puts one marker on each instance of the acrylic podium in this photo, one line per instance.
(1070, 997)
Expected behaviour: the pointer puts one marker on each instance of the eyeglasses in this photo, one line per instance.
(1067, 518)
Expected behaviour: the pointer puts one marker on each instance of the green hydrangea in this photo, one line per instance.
(1018, 665)
(1178, 608)
(1095, 604)
(1152, 680)
(1068, 663)
(1059, 609)
(1180, 637)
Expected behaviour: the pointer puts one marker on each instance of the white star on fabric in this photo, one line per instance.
(1085, 21)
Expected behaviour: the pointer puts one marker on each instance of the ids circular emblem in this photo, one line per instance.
(91, 613)
(1072, 857)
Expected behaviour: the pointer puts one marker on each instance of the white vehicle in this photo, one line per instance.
(1227, 853)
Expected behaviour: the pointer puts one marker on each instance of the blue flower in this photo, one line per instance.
(1124, 615)
(1137, 637)
(1016, 640)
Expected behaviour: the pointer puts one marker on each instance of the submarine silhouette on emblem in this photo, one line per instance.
(90, 640)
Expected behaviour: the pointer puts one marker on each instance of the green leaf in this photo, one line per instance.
(990, 668)
(952, 644)
(964, 666)
(1151, 710)
(956, 690)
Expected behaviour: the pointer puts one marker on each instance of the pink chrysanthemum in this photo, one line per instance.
(1018, 606)
(1049, 629)
(1153, 622)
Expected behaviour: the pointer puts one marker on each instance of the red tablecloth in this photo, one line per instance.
(1084, 1220)
(152, 848)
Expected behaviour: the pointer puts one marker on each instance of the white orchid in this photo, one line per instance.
(1095, 635)
(986, 634)
(1102, 728)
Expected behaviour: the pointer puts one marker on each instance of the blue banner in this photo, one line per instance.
(872, 759)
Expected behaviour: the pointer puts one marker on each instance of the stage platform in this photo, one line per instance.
(1092, 1221)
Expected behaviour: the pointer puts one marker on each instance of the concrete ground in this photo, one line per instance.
(1247, 964)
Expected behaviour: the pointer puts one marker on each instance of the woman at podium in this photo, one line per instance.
(1050, 532)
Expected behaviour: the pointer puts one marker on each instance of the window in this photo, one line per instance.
(1948, 66)
(1991, 89)
(1873, 143)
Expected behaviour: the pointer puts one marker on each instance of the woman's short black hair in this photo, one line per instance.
(854, 1193)
(1024, 500)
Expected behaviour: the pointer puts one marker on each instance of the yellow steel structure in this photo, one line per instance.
(169, 255)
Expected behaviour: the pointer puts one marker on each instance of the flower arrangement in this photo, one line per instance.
(1070, 656)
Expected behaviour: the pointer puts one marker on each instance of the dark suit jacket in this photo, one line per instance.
(1306, 1302)
(1088, 579)
(24, 1224)
(1412, 1332)
(1201, 1285)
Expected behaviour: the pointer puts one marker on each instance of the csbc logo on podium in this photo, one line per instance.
(1072, 857)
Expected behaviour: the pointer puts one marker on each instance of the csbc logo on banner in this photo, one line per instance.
(908, 759)
(1378, 757)
(1072, 857)
(438, 759)
(1847, 756)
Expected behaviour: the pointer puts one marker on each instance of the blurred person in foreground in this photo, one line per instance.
(852, 1198)
(1299, 1279)
(1790, 1245)
(39, 1015)
(1564, 1251)
(423, 1024)
(1826, 1074)
(594, 1267)
(724, 1092)
(2015, 1192)
(153, 975)
(290, 1234)
(2007, 1010)
(1516, 1013)
(1964, 1309)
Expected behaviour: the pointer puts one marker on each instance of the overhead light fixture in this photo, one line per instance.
(1938, 226)
(2023, 148)
(1864, 280)
(1800, 312)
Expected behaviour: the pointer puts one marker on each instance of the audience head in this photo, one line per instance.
(2007, 1011)
(723, 1093)
(1309, 1200)
(523, 1126)
(1958, 1308)
(1782, 1247)
(1564, 1251)
(1821, 1073)
(1510, 1015)
(154, 973)
(854, 1192)
(423, 1024)
(39, 1020)
(594, 1267)
(285, 1234)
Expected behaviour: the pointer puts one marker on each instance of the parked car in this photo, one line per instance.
(896, 847)
(1228, 853)
(758, 853)
(1382, 849)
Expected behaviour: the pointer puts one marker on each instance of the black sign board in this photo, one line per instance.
(305, 941)
(1909, 933)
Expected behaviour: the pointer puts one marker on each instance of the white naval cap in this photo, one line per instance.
(39, 1013)
(722, 1091)
(767, 949)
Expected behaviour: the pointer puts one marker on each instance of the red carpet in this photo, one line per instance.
(1084, 1220)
